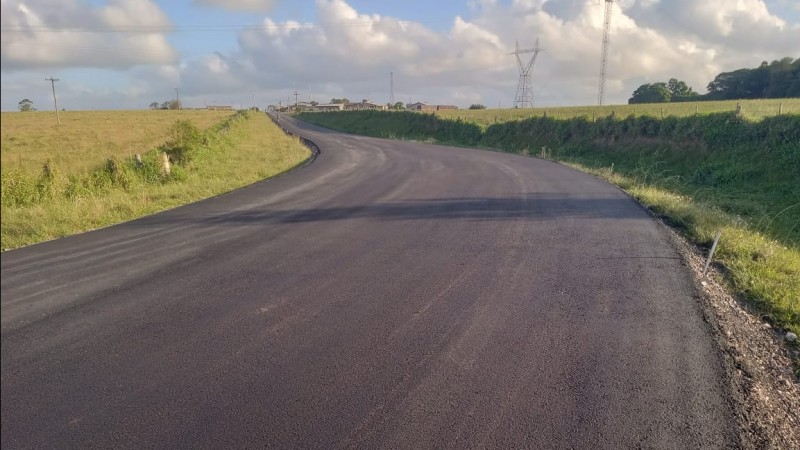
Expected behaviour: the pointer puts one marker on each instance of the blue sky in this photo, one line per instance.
(129, 53)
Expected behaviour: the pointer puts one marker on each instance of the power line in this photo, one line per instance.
(55, 101)
(201, 28)
(391, 89)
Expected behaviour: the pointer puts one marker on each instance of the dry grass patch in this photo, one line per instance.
(248, 149)
(87, 138)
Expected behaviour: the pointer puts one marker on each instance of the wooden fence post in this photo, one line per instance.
(165, 165)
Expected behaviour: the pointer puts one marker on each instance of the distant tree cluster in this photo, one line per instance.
(673, 90)
(778, 79)
(26, 105)
(477, 106)
(169, 104)
(337, 101)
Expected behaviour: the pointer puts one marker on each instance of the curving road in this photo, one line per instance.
(389, 295)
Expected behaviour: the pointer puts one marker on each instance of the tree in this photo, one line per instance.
(477, 106)
(171, 104)
(154, 105)
(336, 101)
(399, 105)
(651, 93)
(728, 85)
(26, 105)
(679, 88)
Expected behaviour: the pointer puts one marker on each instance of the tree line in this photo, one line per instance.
(778, 79)
(169, 104)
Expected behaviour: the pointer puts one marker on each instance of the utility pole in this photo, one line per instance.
(391, 89)
(178, 98)
(295, 100)
(55, 101)
(524, 96)
(601, 91)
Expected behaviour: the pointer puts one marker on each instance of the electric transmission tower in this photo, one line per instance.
(524, 96)
(601, 91)
(391, 89)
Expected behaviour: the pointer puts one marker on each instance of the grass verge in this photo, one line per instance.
(701, 173)
(243, 149)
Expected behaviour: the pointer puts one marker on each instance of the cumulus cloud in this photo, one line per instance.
(240, 5)
(73, 33)
(350, 53)
(651, 40)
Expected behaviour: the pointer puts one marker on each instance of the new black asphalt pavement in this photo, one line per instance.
(388, 295)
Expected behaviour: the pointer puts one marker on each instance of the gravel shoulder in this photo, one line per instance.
(759, 362)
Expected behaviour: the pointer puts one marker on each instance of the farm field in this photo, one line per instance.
(88, 138)
(751, 110)
(244, 148)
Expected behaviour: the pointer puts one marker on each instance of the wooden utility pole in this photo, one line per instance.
(55, 101)
(178, 98)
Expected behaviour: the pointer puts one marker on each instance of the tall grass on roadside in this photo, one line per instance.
(240, 150)
(702, 173)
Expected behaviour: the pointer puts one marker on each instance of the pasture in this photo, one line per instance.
(750, 109)
(41, 204)
(88, 138)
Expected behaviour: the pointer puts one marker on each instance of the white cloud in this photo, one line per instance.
(240, 5)
(72, 33)
(350, 53)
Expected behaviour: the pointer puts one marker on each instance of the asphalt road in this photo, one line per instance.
(389, 295)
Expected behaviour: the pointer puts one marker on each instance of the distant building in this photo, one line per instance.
(330, 107)
(220, 107)
(364, 105)
(421, 106)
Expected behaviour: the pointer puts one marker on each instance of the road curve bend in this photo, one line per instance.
(390, 295)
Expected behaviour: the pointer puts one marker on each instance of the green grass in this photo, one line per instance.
(751, 110)
(703, 173)
(55, 203)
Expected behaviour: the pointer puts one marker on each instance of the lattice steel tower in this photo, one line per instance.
(601, 91)
(391, 89)
(524, 96)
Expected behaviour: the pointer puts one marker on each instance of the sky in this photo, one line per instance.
(126, 54)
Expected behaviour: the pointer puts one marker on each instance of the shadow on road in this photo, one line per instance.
(531, 207)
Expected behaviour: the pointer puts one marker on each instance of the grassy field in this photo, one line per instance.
(751, 109)
(244, 148)
(87, 138)
(702, 173)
